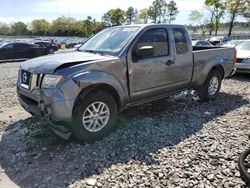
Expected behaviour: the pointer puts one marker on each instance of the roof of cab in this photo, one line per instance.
(151, 24)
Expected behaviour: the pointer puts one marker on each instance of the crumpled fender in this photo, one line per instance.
(95, 77)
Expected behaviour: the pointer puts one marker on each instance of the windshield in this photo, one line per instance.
(243, 46)
(110, 40)
(2, 44)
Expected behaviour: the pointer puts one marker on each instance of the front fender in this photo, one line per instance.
(96, 77)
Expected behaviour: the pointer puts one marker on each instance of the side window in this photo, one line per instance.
(20, 45)
(156, 38)
(180, 38)
(205, 43)
(199, 44)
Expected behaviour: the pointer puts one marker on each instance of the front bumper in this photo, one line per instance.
(41, 104)
(55, 114)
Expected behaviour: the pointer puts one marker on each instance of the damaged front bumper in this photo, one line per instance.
(49, 106)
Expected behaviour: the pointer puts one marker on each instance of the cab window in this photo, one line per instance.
(181, 44)
(157, 39)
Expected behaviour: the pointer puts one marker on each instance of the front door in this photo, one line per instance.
(159, 73)
(151, 75)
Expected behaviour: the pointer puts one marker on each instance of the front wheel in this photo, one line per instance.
(211, 87)
(94, 116)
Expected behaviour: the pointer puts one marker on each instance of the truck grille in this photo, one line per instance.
(25, 79)
(28, 80)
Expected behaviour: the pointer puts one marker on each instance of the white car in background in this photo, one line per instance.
(201, 43)
(232, 43)
(243, 57)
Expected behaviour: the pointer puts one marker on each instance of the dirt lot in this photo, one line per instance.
(175, 142)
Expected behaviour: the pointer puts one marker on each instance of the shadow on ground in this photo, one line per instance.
(32, 156)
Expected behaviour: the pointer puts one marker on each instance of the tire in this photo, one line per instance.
(211, 87)
(86, 126)
(51, 51)
(243, 168)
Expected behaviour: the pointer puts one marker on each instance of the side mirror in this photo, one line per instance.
(145, 51)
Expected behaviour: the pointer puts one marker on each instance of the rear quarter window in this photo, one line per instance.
(181, 42)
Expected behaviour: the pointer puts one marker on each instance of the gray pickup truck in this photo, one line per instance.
(81, 92)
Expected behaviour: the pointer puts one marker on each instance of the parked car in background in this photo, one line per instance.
(218, 40)
(232, 43)
(71, 45)
(69, 49)
(243, 57)
(201, 43)
(48, 45)
(18, 50)
(81, 92)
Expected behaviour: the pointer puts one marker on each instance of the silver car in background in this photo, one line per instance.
(243, 57)
(201, 43)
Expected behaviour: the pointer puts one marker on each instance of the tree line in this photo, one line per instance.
(216, 11)
(62, 26)
(160, 11)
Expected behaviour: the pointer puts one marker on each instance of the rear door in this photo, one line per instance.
(22, 50)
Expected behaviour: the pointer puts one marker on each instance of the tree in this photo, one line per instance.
(40, 27)
(235, 8)
(155, 11)
(114, 17)
(106, 20)
(88, 26)
(5, 29)
(246, 13)
(63, 26)
(217, 10)
(19, 28)
(131, 14)
(143, 16)
(98, 26)
(161, 12)
(172, 11)
(198, 18)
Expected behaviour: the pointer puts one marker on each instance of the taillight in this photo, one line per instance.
(235, 55)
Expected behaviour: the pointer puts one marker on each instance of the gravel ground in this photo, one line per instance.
(175, 142)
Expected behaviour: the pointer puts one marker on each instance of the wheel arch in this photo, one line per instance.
(99, 87)
(206, 71)
(220, 69)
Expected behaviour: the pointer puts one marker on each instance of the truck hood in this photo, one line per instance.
(50, 63)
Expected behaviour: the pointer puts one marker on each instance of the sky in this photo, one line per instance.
(28, 10)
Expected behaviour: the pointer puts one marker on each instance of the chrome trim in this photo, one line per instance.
(33, 81)
(233, 71)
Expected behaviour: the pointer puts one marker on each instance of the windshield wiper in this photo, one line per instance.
(93, 51)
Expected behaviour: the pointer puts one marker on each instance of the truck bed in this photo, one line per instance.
(206, 57)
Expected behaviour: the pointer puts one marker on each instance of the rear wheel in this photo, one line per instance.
(210, 89)
(94, 116)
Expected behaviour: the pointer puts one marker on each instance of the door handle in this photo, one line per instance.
(169, 62)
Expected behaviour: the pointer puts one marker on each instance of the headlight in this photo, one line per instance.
(51, 81)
